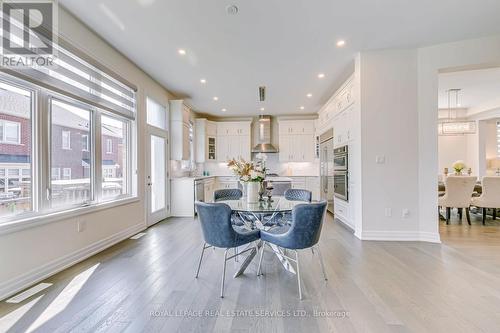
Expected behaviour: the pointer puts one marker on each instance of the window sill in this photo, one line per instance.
(36, 221)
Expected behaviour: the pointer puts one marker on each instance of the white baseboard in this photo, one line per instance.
(400, 236)
(15, 285)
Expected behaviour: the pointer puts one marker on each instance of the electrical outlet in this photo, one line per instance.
(81, 225)
(405, 213)
(380, 159)
(388, 212)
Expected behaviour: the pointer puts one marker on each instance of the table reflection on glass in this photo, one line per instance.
(258, 215)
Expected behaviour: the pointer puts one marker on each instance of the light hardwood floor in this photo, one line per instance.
(146, 285)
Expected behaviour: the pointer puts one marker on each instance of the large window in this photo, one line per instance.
(74, 187)
(114, 134)
(77, 119)
(16, 108)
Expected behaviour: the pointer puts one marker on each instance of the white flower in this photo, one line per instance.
(245, 178)
(459, 165)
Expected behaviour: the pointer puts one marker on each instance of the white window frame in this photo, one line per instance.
(85, 142)
(57, 173)
(130, 181)
(41, 173)
(68, 137)
(66, 174)
(109, 146)
(3, 138)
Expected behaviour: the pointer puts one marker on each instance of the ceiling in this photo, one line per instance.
(283, 45)
(480, 89)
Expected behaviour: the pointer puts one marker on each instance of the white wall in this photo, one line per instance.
(388, 87)
(31, 254)
(458, 55)
(453, 148)
(399, 114)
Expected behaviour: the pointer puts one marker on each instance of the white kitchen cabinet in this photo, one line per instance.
(233, 128)
(341, 100)
(296, 148)
(296, 140)
(180, 131)
(206, 140)
(287, 127)
(233, 141)
(343, 126)
(226, 183)
(209, 189)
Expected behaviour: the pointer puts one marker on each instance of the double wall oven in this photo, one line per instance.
(341, 172)
(334, 169)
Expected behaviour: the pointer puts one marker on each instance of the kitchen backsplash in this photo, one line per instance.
(273, 164)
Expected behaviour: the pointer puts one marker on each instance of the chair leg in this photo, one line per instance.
(467, 214)
(236, 254)
(201, 258)
(260, 259)
(321, 262)
(223, 274)
(448, 215)
(494, 213)
(298, 273)
(484, 215)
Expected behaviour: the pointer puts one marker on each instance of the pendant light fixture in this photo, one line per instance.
(453, 125)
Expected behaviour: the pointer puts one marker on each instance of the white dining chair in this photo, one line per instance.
(490, 197)
(458, 194)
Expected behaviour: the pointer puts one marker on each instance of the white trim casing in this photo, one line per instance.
(400, 236)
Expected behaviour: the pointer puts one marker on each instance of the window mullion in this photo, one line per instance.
(96, 135)
(43, 151)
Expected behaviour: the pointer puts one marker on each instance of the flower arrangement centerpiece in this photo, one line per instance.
(458, 166)
(251, 174)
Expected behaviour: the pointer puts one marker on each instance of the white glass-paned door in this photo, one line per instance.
(158, 177)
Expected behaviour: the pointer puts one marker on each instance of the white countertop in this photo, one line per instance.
(274, 179)
(279, 179)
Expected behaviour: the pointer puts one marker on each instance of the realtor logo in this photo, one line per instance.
(28, 32)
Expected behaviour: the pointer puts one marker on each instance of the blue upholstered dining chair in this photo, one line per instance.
(294, 194)
(218, 232)
(303, 233)
(228, 194)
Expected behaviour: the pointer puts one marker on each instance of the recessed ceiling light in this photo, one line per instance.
(302, 108)
(321, 75)
(203, 81)
(223, 110)
(262, 109)
(216, 98)
(232, 9)
(182, 51)
(309, 95)
(340, 43)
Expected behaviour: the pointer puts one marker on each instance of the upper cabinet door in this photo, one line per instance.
(284, 148)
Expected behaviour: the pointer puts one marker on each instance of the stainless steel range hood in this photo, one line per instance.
(264, 138)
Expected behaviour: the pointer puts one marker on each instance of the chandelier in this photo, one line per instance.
(452, 125)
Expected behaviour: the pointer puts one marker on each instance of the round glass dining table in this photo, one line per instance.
(277, 204)
(257, 215)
